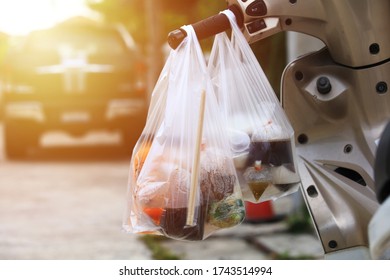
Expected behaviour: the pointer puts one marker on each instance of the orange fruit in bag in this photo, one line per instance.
(140, 157)
(139, 160)
(154, 213)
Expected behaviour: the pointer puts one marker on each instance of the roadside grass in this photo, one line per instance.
(300, 221)
(288, 256)
(159, 252)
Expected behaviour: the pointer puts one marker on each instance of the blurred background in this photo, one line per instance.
(75, 83)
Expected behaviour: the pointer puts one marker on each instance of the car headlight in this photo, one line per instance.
(124, 107)
(25, 110)
(19, 88)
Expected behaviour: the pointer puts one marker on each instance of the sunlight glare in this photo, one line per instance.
(18, 17)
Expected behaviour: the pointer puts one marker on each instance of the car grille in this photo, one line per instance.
(77, 82)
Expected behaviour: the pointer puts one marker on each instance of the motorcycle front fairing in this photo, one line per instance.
(338, 105)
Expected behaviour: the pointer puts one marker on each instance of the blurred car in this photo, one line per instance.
(77, 76)
(3, 50)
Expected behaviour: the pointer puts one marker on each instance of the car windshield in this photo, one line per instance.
(68, 41)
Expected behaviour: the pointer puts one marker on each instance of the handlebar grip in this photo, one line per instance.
(211, 26)
(175, 37)
(206, 27)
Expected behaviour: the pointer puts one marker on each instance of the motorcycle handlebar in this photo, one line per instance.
(206, 27)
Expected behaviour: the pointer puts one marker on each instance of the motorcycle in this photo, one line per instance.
(338, 103)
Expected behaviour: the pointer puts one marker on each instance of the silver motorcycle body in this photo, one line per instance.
(338, 103)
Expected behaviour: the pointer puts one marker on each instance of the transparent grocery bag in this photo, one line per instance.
(261, 137)
(182, 181)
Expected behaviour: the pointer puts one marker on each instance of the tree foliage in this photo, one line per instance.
(172, 14)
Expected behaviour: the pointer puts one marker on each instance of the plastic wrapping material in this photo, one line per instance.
(261, 137)
(182, 181)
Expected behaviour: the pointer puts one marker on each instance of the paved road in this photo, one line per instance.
(68, 204)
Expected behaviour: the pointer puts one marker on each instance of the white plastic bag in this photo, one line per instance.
(182, 181)
(261, 137)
